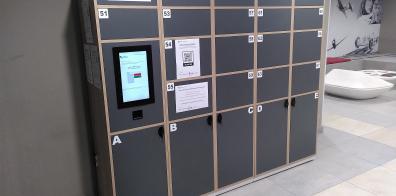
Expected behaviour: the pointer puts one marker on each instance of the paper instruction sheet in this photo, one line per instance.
(191, 97)
(188, 58)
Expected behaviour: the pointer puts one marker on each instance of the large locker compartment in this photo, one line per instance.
(198, 97)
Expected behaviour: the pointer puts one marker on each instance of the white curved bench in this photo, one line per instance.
(355, 84)
(389, 76)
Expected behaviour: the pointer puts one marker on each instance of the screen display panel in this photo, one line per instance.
(133, 75)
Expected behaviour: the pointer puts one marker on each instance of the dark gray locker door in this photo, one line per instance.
(234, 91)
(305, 79)
(140, 163)
(273, 85)
(307, 47)
(122, 119)
(303, 127)
(271, 136)
(115, 2)
(274, 50)
(206, 57)
(172, 101)
(187, 23)
(274, 2)
(128, 23)
(308, 2)
(234, 3)
(192, 158)
(307, 18)
(186, 3)
(234, 54)
(231, 21)
(275, 20)
(235, 146)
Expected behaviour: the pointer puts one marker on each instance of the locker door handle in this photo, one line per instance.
(293, 102)
(219, 118)
(286, 103)
(209, 120)
(161, 132)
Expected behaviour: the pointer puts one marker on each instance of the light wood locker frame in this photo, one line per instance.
(99, 100)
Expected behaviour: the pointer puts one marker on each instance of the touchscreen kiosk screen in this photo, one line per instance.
(134, 76)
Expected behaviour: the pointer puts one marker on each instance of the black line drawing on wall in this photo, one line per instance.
(354, 27)
(334, 44)
(344, 7)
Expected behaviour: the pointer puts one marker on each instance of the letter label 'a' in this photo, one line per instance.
(116, 140)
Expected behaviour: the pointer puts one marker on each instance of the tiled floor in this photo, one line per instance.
(356, 154)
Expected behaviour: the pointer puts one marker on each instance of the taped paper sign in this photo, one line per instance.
(191, 97)
(188, 58)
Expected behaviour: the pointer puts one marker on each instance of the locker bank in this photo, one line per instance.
(198, 97)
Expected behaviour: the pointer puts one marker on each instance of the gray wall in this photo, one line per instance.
(388, 27)
(45, 148)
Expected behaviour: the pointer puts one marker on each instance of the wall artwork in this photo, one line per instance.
(354, 27)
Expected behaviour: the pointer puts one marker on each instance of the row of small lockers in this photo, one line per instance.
(234, 90)
(127, 24)
(140, 163)
(217, 2)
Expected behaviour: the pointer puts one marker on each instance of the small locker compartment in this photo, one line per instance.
(305, 78)
(273, 84)
(234, 90)
(309, 2)
(274, 2)
(146, 107)
(235, 146)
(234, 54)
(274, 50)
(191, 145)
(137, 154)
(128, 24)
(190, 98)
(232, 21)
(303, 127)
(179, 71)
(234, 3)
(271, 135)
(307, 46)
(185, 3)
(275, 20)
(115, 2)
(307, 18)
(189, 22)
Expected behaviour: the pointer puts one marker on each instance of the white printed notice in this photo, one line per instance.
(191, 97)
(188, 58)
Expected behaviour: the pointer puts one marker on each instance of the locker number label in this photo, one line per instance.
(173, 127)
(259, 108)
(168, 44)
(250, 75)
(321, 11)
(103, 13)
(251, 110)
(116, 140)
(320, 33)
(170, 87)
(167, 13)
(260, 38)
(260, 12)
(259, 74)
(251, 39)
(317, 65)
(251, 12)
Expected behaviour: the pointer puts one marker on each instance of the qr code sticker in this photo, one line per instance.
(188, 58)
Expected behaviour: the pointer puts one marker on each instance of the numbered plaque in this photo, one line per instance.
(113, 23)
